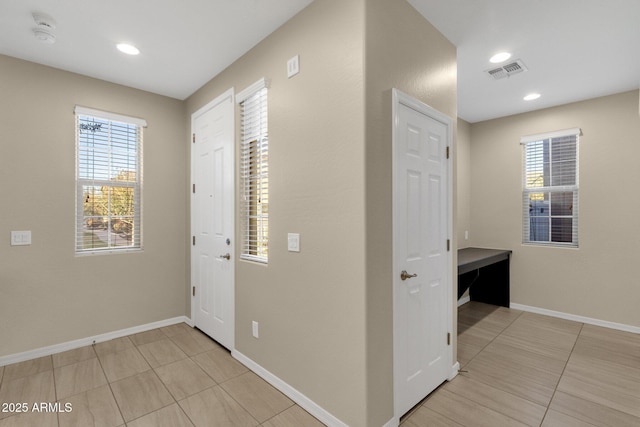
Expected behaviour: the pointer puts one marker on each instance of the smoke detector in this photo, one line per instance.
(507, 70)
(44, 27)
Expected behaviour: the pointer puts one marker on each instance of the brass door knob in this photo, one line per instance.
(226, 256)
(404, 275)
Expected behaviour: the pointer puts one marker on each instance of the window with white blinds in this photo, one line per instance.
(254, 173)
(550, 188)
(108, 182)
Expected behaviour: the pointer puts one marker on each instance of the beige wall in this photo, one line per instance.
(463, 179)
(325, 313)
(403, 51)
(310, 305)
(47, 294)
(599, 279)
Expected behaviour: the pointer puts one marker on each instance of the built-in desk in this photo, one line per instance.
(485, 272)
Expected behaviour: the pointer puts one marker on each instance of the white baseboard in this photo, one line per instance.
(576, 318)
(303, 401)
(72, 345)
(393, 422)
(464, 300)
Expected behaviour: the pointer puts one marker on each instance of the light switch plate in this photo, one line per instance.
(293, 242)
(21, 238)
(293, 66)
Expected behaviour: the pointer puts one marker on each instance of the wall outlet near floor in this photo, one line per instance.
(254, 327)
(466, 234)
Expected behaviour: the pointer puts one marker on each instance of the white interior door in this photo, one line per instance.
(212, 219)
(422, 295)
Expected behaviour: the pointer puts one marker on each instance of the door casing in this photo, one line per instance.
(400, 98)
(228, 97)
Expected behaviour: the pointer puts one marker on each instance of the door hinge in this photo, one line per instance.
(448, 333)
(193, 291)
(447, 151)
(448, 245)
(193, 138)
(194, 240)
(194, 188)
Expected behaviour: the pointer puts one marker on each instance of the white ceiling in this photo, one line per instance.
(574, 49)
(183, 43)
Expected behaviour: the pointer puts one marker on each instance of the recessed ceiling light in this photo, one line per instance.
(128, 49)
(499, 57)
(531, 96)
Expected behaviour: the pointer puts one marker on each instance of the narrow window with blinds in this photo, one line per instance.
(108, 182)
(254, 173)
(550, 188)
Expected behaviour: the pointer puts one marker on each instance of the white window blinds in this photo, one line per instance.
(550, 188)
(108, 182)
(254, 173)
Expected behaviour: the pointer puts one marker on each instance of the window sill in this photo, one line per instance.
(108, 252)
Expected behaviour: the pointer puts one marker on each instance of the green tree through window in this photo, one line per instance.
(108, 183)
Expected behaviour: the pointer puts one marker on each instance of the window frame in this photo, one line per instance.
(110, 182)
(549, 191)
(254, 173)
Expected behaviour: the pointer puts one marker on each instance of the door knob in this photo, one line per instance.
(404, 275)
(226, 256)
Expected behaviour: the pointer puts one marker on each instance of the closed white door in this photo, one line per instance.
(212, 219)
(422, 259)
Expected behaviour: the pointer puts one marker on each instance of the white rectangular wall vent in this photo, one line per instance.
(506, 70)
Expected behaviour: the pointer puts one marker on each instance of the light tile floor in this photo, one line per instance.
(518, 369)
(525, 369)
(168, 377)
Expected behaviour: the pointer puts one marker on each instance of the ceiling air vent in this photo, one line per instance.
(506, 70)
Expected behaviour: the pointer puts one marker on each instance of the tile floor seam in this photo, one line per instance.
(155, 410)
(189, 395)
(461, 370)
(109, 384)
(240, 404)
(433, 409)
(116, 402)
(562, 374)
(163, 385)
(186, 414)
(495, 410)
(284, 410)
(205, 372)
(55, 389)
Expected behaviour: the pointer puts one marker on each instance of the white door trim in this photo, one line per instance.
(229, 94)
(400, 98)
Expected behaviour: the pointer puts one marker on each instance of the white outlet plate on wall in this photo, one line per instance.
(20, 238)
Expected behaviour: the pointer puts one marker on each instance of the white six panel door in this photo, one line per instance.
(212, 272)
(422, 355)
